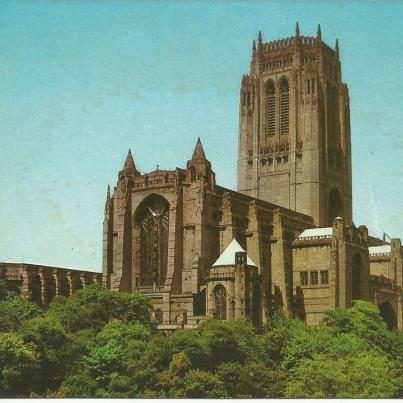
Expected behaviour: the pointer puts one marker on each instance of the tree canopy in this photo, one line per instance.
(100, 343)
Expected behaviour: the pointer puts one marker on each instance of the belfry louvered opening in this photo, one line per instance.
(270, 109)
(284, 107)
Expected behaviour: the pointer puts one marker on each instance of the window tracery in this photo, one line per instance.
(154, 225)
(220, 300)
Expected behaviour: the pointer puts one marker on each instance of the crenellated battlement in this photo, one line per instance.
(279, 44)
(292, 44)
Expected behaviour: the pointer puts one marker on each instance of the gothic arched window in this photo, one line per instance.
(153, 219)
(270, 109)
(220, 302)
(284, 107)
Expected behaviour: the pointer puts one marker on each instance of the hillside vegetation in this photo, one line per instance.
(99, 343)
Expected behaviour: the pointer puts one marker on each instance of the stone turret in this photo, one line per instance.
(129, 167)
(199, 167)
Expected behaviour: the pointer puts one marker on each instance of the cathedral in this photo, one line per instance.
(286, 238)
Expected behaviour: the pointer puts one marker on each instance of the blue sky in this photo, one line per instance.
(83, 81)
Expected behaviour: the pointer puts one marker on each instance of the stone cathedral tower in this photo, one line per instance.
(294, 131)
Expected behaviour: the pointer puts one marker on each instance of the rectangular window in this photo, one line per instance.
(313, 86)
(308, 86)
(324, 277)
(314, 277)
(303, 277)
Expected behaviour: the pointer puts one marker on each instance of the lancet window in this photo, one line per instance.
(284, 107)
(270, 109)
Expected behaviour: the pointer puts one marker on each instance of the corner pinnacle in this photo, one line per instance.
(129, 165)
(198, 152)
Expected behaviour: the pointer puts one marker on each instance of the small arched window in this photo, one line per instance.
(284, 107)
(220, 302)
(270, 109)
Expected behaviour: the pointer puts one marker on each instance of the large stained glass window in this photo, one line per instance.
(154, 242)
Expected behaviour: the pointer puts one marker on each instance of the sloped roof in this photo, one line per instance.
(316, 233)
(379, 250)
(227, 258)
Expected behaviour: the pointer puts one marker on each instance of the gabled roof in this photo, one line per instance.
(316, 233)
(227, 258)
(379, 250)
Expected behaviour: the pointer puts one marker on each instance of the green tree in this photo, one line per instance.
(104, 362)
(365, 375)
(18, 364)
(94, 306)
(363, 319)
(249, 341)
(80, 385)
(145, 369)
(220, 339)
(57, 353)
(308, 341)
(252, 380)
(202, 384)
(171, 380)
(117, 330)
(279, 331)
(14, 310)
(190, 343)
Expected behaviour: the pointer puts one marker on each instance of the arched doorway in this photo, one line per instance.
(152, 221)
(357, 270)
(388, 315)
(220, 302)
(335, 205)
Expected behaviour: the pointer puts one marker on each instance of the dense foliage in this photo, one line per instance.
(99, 343)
